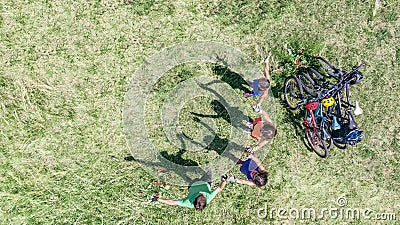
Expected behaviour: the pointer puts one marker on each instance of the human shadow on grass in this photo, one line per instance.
(186, 172)
(233, 79)
(178, 159)
(223, 109)
(219, 109)
(217, 144)
(186, 175)
(203, 175)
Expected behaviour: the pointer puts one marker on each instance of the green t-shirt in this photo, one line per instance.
(197, 188)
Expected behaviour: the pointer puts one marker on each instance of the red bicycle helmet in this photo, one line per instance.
(312, 105)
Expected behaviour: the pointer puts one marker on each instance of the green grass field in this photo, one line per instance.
(65, 67)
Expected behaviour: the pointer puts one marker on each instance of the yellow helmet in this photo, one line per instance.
(328, 102)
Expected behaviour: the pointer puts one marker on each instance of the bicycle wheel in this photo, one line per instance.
(326, 135)
(293, 92)
(317, 144)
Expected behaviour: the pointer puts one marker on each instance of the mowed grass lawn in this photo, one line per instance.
(65, 67)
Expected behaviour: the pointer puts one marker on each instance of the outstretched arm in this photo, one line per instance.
(266, 68)
(258, 162)
(168, 201)
(260, 145)
(266, 116)
(221, 186)
(262, 97)
(247, 182)
(267, 76)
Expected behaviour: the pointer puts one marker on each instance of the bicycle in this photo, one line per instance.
(339, 123)
(344, 127)
(316, 128)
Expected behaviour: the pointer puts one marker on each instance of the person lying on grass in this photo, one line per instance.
(253, 169)
(260, 86)
(261, 129)
(199, 195)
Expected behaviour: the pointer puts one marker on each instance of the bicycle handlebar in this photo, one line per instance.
(355, 68)
(327, 63)
(358, 67)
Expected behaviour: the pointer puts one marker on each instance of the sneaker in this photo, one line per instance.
(232, 179)
(250, 151)
(247, 130)
(247, 95)
(266, 60)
